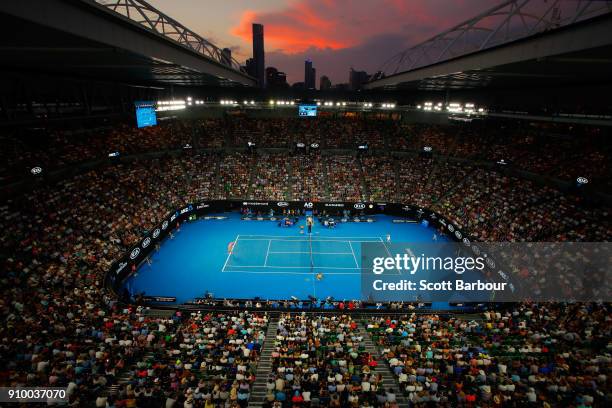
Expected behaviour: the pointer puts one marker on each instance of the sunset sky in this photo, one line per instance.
(335, 34)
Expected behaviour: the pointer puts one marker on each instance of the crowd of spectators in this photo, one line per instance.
(562, 151)
(270, 178)
(380, 177)
(308, 181)
(320, 361)
(61, 327)
(235, 174)
(551, 354)
(344, 177)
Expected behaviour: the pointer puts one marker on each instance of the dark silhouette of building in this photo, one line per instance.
(250, 67)
(259, 54)
(310, 75)
(357, 79)
(298, 86)
(324, 83)
(276, 79)
(226, 56)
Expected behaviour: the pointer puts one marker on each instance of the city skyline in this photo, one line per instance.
(335, 35)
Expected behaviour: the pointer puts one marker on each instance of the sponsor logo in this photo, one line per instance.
(359, 206)
(491, 263)
(156, 233)
(581, 180)
(146, 242)
(164, 225)
(255, 203)
(121, 267)
(476, 250)
(202, 205)
(185, 210)
(502, 274)
(443, 222)
(334, 205)
(420, 212)
(308, 205)
(173, 217)
(282, 204)
(458, 234)
(451, 227)
(467, 242)
(36, 170)
(135, 252)
(433, 216)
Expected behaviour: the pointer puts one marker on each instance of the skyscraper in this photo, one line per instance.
(309, 75)
(276, 79)
(324, 83)
(250, 67)
(259, 54)
(357, 79)
(226, 56)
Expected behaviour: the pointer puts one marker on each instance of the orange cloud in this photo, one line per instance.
(292, 31)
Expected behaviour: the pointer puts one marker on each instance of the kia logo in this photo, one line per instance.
(146, 242)
(134, 253)
(360, 206)
(282, 204)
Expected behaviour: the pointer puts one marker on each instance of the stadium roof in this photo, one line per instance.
(123, 40)
(517, 43)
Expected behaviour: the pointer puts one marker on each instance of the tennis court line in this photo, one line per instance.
(267, 252)
(299, 238)
(353, 252)
(318, 253)
(388, 252)
(294, 273)
(290, 267)
(306, 240)
(230, 253)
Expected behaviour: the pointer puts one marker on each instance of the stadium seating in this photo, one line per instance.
(61, 327)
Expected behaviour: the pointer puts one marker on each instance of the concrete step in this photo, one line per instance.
(264, 366)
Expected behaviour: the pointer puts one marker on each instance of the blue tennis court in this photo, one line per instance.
(267, 261)
(297, 255)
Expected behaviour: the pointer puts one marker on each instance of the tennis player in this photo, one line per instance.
(309, 223)
(230, 247)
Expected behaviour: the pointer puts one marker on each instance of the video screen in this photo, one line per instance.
(145, 114)
(307, 110)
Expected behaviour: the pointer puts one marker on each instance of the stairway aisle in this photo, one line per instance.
(264, 366)
(388, 379)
